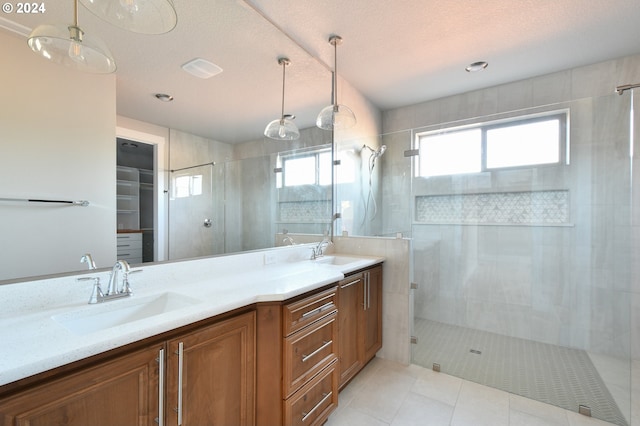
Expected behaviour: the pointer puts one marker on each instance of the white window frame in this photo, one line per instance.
(316, 154)
(484, 127)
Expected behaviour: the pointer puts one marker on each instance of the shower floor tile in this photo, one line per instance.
(555, 375)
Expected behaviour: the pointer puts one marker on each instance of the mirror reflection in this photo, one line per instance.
(73, 136)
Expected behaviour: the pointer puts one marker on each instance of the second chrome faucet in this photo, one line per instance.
(113, 290)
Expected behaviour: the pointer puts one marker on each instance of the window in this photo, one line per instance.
(309, 168)
(451, 153)
(186, 186)
(525, 141)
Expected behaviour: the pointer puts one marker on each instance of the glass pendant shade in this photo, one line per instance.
(336, 117)
(139, 16)
(282, 129)
(68, 45)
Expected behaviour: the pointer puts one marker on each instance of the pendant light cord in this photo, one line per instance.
(75, 13)
(284, 66)
(334, 92)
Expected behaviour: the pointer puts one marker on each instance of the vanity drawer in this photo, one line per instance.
(129, 240)
(308, 351)
(129, 247)
(297, 315)
(313, 403)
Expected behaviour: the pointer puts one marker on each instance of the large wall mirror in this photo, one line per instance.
(62, 129)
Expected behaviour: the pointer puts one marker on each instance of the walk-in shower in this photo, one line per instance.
(523, 275)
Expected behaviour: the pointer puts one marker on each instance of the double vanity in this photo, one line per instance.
(256, 338)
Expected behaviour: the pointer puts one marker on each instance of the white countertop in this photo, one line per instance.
(32, 341)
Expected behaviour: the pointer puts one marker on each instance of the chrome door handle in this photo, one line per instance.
(207, 223)
(364, 293)
(160, 419)
(180, 362)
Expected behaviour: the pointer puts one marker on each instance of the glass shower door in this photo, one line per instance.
(525, 275)
(196, 212)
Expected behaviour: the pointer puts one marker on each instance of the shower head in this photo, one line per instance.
(376, 152)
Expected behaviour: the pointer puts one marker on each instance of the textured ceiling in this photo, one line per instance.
(395, 52)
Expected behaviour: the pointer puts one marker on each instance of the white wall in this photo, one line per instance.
(57, 133)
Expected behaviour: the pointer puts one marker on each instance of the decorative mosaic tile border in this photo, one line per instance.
(509, 208)
(304, 211)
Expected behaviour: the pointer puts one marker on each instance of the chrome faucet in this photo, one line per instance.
(88, 260)
(112, 287)
(98, 296)
(318, 250)
(287, 238)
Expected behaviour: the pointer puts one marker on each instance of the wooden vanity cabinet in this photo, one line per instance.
(280, 364)
(123, 391)
(359, 321)
(211, 375)
(310, 375)
(205, 376)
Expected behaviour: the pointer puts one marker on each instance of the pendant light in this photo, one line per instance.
(68, 45)
(282, 129)
(139, 16)
(335, 116)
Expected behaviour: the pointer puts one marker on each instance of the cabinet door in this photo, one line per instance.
(119, 392)
(372, 322)
(350, 296)
(211, 375)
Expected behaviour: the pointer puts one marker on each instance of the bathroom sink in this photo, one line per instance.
(110, 314)
(337, 260)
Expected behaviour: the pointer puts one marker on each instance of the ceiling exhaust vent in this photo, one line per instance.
(201, 68)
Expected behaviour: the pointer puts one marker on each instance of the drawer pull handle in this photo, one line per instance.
(325, 395)
(350, 284)
(325, 344)
(318, 310)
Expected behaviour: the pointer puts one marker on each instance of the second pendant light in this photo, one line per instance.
(335, 116)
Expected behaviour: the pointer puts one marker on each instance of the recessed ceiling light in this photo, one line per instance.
(201, 68)
(477, 66)
(164, 97)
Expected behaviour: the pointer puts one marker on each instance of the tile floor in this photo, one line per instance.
(561, 376)
(388, 393)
